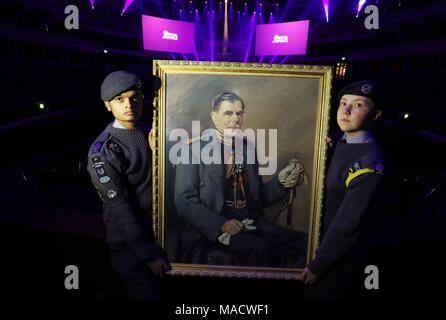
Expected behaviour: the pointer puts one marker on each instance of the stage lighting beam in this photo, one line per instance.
(252, 26)
(211, 35)
(126, 5)
(360, 5)
(197, 26)
(225, 27)
(326, 6)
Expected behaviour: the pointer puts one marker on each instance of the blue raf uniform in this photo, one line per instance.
(120, 166)
(353, 179)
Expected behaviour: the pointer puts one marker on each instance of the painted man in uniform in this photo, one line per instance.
(222, 202)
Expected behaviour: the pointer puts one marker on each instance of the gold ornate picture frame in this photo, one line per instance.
(292, 99)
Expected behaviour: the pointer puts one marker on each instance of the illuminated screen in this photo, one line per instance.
(282, 38)
(168, 35)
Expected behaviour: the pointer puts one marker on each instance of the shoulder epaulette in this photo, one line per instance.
(368, 164)
(354, 174)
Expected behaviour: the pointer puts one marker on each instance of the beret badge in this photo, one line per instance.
(366, 89)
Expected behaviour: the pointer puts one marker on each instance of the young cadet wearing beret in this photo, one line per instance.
(120, 166)
(353, 177)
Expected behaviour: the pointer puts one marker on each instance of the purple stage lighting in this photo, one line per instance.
(211, 35)
(126, 5)
(198, 26)
(284, 59)
(360, 5)
(325, 3)
(92, 4)
(282, 38)
(168, 35)
(252, 24)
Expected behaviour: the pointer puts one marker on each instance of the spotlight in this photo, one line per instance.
(360, 5)
(126, 5)
(343, 58)
(41, 106)
(105, 51)
(406, 115)
(326, 3)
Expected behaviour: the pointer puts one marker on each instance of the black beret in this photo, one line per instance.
(118, 82)
(365, 88)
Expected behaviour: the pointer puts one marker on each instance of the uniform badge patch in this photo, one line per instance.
(104, 179)
(97, 147)
(100, 171)
(114, 147)
(98, 164)
(366, 89)
(379, 168)
(111, 193)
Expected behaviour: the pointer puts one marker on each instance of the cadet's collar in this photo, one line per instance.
(116, 124)
(365, 137)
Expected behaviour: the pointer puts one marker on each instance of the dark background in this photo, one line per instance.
(50, 213)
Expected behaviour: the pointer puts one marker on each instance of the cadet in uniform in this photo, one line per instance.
(352, 180)
(120, 166)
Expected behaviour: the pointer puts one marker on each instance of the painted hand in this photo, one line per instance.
(232, 227)
(293, 174)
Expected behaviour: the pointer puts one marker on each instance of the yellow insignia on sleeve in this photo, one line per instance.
(352, 175)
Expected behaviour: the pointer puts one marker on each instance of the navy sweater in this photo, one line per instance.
(120, 166)
(352, 180)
